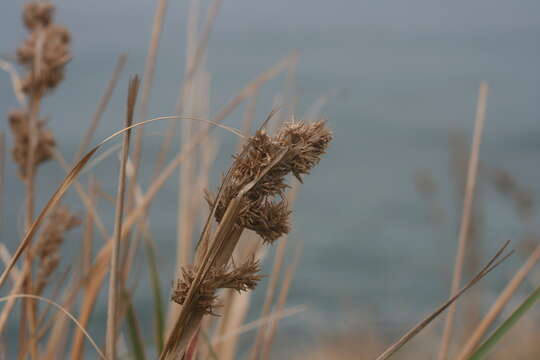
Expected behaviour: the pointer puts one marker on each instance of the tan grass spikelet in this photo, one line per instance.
(19, 122)
(264, 209)
(45, 51)
(242, 278)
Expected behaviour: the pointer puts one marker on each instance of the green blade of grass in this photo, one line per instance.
(159, 322)
(133, 329)
(488, 345)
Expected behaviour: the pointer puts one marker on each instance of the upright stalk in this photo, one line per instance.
(113, 279)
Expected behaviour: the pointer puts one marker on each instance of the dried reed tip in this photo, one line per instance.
(241, 278)
(19, 122)
(46, 49)
(264, 209)
(47, 247)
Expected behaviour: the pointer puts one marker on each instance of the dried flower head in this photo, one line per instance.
(20, 127)
(264, 209)
(44, 54)
(46, 49)
(48, 245)
(241, 278)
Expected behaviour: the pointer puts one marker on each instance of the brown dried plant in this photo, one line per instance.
(45, 51)
(269, 218)
(20, 128)
(43, 54)
(251, 197)
(242, 278)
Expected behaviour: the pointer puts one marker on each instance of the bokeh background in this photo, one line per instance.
(399, 78)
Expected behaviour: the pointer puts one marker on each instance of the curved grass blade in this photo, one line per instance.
(64, 311)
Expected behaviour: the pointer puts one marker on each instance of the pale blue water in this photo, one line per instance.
(406, 74)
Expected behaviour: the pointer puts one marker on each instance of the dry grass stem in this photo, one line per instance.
(275, 315)
(466, 216)
(148, 77)
(280, 305)
(64, 311)
(114, 298)
(102, 106)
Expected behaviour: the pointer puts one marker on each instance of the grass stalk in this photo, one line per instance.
(466, 217)
(113, 281)
(102, 106)
(280, 305)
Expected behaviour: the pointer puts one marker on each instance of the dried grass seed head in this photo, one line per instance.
(242, 278)
(19, 122)
(265, 209)
(47, 40)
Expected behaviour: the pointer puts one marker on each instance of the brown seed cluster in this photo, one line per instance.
(47, 247)
(257, 179)
(44, 55)
(46, 51)
(264, 209)
(242, 278)
(19, 123)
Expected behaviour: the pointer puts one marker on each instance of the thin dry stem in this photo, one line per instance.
(246, 92)
(275, 315)
(113, 284)
(84, 196)
(287, 281)
(148, 78)
(103, 103)
(67, 313)
(466, 216)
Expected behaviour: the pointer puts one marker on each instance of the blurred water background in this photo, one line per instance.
(401, 77)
